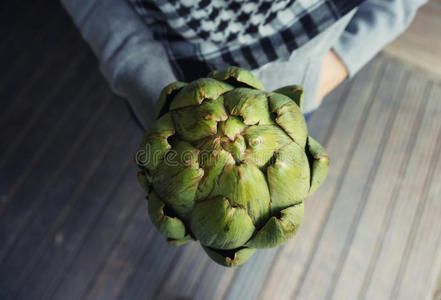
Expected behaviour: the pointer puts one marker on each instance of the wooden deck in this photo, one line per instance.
(73, 221)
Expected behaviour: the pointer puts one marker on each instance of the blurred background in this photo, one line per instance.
(73, 220)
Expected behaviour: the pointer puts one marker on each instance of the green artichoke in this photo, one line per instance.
(229, 164)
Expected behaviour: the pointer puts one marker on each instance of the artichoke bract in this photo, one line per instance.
(229, 164)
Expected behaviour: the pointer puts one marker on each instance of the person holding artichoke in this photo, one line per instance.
(143, 45)
(224, 161)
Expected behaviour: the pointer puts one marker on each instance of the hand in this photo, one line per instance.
(332, 73)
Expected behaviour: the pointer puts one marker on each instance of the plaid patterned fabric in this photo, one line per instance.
(203, 35)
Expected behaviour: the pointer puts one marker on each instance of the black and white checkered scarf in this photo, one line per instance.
(202, 35)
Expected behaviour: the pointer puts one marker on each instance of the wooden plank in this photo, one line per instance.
(78, 215)
(213, 282)
(430, 10)
(77, 271)
(392, 244)
(17, 17)
(57, 197)
(24, 69)
(353, 183)
(122, 263)
(36, 92)
(247, 279)
(437, 293)
(421, 262)
(31, 94)
(235, 283)
(20, 154)
(349, 279)
(288, 270)
(153, 269)
(178, 283)
(46, 162)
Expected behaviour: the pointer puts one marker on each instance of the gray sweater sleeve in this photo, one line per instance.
(375, 24)
(135, 65)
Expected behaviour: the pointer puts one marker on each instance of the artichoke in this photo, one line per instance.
(229, 164)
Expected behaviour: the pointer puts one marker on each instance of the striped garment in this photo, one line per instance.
(202, 35)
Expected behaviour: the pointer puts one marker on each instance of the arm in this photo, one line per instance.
(135, 65)
(375, 24)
